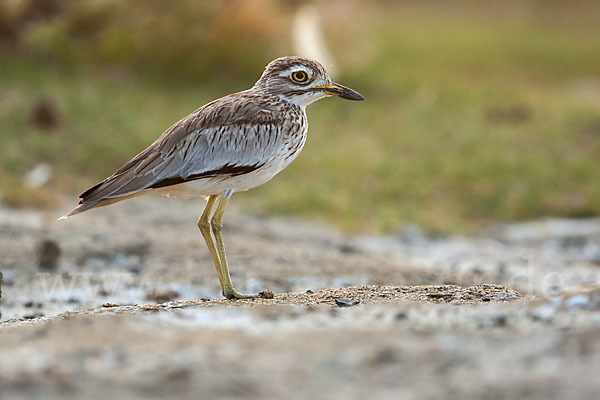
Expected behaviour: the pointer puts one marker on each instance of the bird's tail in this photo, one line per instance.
(84, 206)
(79, 209)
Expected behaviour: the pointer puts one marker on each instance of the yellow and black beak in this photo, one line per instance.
(340, 91)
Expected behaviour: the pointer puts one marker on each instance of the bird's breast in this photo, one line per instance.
(293, 137)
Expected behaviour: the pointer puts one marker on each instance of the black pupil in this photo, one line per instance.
(300, 76)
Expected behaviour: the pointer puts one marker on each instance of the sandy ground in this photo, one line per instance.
(124, 302)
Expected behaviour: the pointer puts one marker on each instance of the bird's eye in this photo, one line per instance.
(299, 76)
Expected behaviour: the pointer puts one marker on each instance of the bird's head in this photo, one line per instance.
(301, 81)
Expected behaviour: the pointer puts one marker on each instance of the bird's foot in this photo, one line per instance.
(233, 294)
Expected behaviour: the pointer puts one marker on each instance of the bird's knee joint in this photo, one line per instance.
(204, 224)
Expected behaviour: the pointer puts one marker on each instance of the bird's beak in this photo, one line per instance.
(340, 91)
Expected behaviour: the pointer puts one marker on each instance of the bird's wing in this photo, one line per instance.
(230, 136)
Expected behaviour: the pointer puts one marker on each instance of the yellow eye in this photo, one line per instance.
(299, 76)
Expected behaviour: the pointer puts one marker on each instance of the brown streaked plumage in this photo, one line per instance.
(232, 144)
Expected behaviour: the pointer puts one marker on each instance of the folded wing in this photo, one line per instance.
(230, 136)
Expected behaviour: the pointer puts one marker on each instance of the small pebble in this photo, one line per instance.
(346, 302)
(266, 294)
(347, 249)
(48, 254)
(500, 320)
(32, 316)
(135, 269)
(400, 316)
(439, 295)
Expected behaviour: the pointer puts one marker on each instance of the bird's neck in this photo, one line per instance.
(298, 102)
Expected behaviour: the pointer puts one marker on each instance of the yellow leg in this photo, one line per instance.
(217, 225)
(205, 228)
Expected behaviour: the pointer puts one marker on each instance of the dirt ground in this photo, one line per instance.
(124, 303)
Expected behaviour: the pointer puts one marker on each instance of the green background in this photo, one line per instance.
(476, 112)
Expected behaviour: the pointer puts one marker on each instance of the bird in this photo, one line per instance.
(231, 144)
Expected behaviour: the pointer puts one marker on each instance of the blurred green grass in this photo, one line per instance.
(470, 118)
